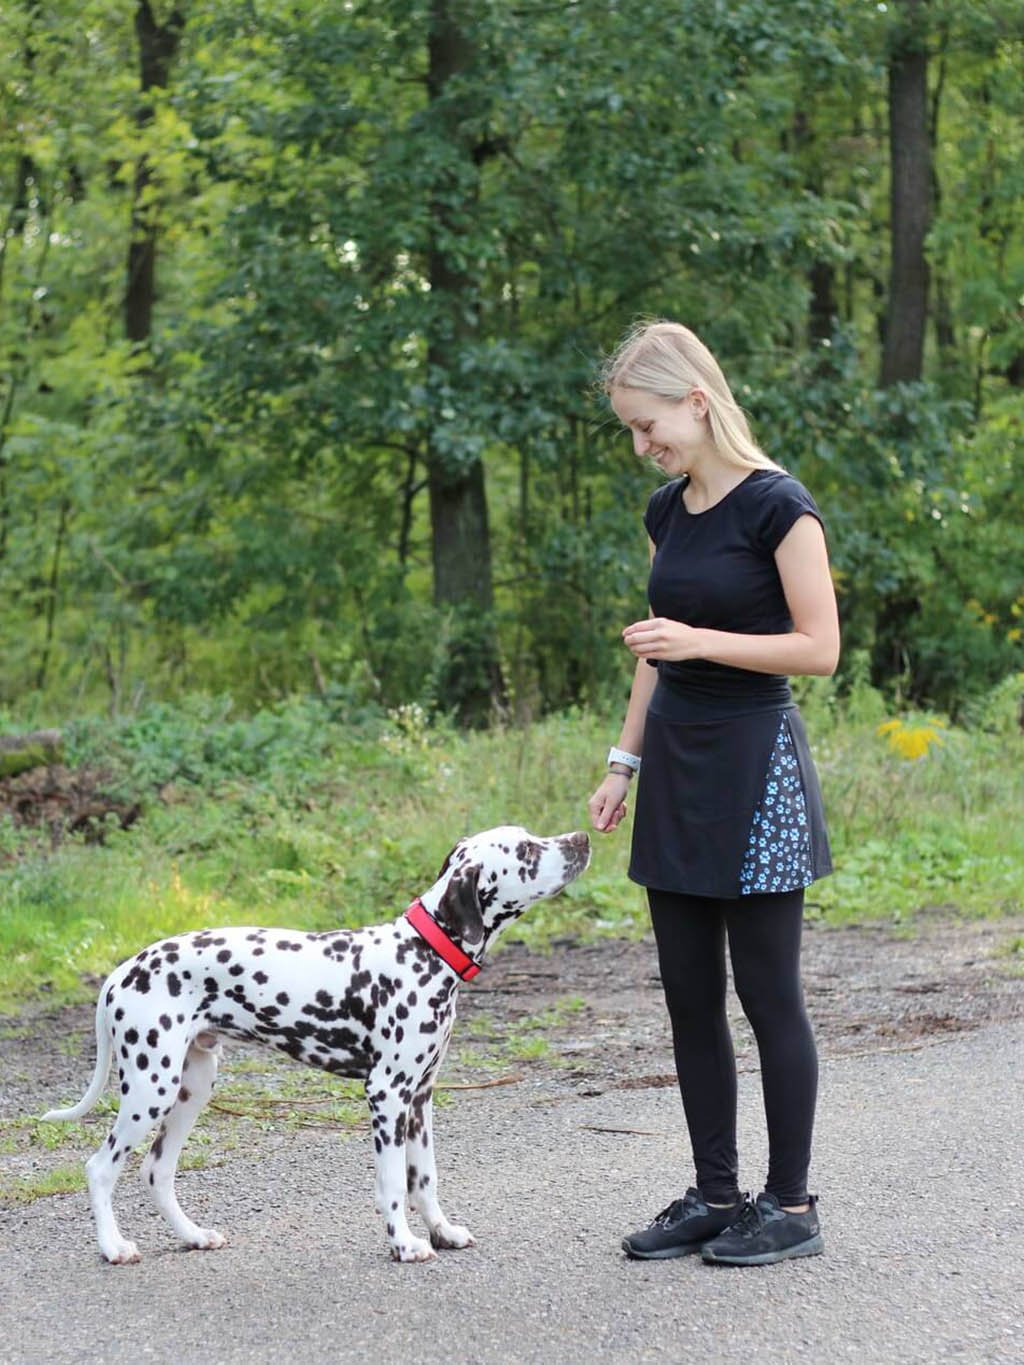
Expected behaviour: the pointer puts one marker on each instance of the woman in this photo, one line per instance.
(729, 827)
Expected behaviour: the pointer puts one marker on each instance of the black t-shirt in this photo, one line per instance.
(716, 569)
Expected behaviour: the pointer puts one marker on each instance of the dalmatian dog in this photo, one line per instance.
(377, 1004)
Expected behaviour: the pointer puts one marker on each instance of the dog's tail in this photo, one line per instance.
(99, 1078)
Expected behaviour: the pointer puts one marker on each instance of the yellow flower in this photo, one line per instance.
(911, 741)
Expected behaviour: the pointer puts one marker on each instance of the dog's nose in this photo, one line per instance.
(579, 839)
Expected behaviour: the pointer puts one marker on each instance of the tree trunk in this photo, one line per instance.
(909, 197)
(823, 308)
(471, 681)
(158, 44)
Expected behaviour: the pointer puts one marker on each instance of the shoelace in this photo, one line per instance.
(750, 1222)
(668, 1215)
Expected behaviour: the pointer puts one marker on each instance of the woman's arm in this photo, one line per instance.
(607, 806)
(631, 736)
(812, 646)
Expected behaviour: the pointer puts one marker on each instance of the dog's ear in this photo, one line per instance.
(459, 909)
(447, 862)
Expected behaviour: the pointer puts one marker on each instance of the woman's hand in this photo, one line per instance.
(659, 638)
(607, 806)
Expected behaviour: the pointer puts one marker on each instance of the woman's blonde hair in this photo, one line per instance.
(668, 360)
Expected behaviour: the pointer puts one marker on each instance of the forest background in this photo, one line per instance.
(301, 306)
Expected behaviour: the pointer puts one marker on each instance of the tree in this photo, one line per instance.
(910, 195)
(158, 42)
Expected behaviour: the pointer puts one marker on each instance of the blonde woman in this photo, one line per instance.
(729, 827)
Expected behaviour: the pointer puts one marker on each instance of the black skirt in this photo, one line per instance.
(728, 801)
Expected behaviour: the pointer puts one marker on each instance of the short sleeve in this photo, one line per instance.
(659, 508)
(784, 500)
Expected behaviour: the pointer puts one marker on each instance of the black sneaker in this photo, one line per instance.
(765, 1233)
(680, 1229)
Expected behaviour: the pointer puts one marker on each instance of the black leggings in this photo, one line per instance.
(764, 946)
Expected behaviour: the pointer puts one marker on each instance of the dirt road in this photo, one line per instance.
(575, 1139)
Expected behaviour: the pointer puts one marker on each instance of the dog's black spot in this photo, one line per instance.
(142, 1061)
(153, 1037)
(118, 1013)
(173, 984)
(224, 955)
(131, 1035)
(165, 1021)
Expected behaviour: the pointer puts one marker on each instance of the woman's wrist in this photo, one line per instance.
(624, 761)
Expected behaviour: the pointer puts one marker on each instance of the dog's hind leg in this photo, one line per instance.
(421, 1175)
(141, 1108)
(161, 1164)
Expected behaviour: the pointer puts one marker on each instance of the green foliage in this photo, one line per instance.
(369, 278)
(297, 817)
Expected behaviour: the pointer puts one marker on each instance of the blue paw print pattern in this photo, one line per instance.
(778, 856)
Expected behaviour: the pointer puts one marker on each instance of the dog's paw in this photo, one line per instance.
(415, 1249)
(122, 1253)
(450, 1237)
(207, 1239)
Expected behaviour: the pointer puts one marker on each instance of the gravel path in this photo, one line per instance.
(918, 1165)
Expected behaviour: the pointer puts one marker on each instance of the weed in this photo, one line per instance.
(27, 1189)
(243, 824)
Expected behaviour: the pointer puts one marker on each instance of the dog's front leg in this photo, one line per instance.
(421, 1175)
(389, 1120)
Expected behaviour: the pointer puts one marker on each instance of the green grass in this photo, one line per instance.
(297, 818)
(27, 1189)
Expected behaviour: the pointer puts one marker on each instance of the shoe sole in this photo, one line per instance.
(665, 1254)
(814, 1246)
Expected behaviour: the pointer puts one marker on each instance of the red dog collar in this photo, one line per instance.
(428, 928)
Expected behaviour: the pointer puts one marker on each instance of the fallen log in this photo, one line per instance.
(21, 753)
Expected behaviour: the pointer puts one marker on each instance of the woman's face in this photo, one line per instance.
(671, 434)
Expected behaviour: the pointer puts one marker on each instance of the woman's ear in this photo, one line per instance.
(698, 401)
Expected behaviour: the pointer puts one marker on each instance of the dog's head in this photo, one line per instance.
(489, 879)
